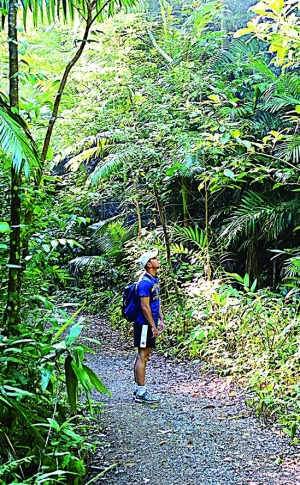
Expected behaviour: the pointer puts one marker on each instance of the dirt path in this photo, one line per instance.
(201, 433)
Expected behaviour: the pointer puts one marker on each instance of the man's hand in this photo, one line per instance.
(154, 331)
(161, 325)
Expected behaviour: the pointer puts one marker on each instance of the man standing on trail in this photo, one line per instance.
(146, 323)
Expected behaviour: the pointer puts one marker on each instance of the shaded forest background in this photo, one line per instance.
(175, 126)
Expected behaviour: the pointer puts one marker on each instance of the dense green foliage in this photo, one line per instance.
(177, 129)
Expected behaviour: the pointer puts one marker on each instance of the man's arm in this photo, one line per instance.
(145, 305)
(161, 320)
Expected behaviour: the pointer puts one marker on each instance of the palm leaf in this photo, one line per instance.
(84, 261)
(112, 165)
(102, 225)
(283, 93)
(65, 8)
(191, 235)
(83, 157)
(261, 218)
(290, 149)
(17, 142)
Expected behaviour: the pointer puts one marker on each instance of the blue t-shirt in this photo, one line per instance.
(149, 286)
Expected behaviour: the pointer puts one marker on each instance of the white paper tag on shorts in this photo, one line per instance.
(143, 343)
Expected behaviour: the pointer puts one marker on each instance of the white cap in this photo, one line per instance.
(146, 256)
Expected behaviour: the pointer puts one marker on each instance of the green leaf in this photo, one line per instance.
(74, 333)
(237, 277)
(17, 142)
(67, 323)
(229, 173)
(46, 373)
(253, 286)
(96, 381)
(82, 376)
(235, 133)
(4, 227)
(54, 424)
(72, 384)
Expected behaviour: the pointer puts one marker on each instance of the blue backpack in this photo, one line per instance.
(131, 301)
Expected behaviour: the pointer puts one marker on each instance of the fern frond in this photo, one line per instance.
(179, 248)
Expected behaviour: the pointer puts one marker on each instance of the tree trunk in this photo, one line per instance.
(164, 225)
(184, 192)
(207, 266)
(139, 216)
(12, 310)
(252, 266)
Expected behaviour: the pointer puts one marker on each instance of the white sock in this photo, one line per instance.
(140, 390)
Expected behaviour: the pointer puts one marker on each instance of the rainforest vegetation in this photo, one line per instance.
(126, 126)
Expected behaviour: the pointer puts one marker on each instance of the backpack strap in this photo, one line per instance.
(150, 278)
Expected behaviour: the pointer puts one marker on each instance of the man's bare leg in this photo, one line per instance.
(140, 365)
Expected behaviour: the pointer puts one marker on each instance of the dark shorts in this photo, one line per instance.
(143, 337)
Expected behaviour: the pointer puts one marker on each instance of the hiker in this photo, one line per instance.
(146, 327)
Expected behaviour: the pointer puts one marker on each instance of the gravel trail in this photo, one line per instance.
(202, 432)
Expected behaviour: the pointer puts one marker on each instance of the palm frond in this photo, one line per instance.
(83, 261)
(284, 92)
(84, 150)
(112, 165)
(64, 9)
(17, 142)
(114, 162)
(102, 225)
(246, 53)
(191, 235)
(74, 163)
(290, 149)
(111, 237)
(257, 216)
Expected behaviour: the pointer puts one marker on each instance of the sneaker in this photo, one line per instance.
(147, 398)
(134, 394)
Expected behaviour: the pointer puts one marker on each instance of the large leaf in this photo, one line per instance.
(72, 384)
(17, 142)
(96, 381)
(65, 9)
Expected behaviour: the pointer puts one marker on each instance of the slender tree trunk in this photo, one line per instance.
(12, 310)
(207, 267)
(89, 22)
(139, 216)
(63, 82)
(167, 239)
(184, 191)
(164, 225)
(252, 265)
